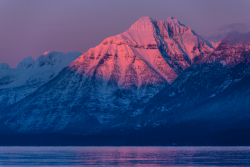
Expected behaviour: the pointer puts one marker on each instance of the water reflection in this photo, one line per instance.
(124, 156)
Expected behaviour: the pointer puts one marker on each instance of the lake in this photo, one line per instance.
(124, 156)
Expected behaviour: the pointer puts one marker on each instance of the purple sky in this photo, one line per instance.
(31, 27)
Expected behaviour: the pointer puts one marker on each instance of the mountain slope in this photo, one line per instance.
(115, 77)
(211, 95)
(16, 84)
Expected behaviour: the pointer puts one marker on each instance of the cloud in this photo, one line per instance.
(241, 27)
(236, 31)
(215, 37)
(238, 37)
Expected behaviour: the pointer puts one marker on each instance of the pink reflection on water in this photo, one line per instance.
(124, 156)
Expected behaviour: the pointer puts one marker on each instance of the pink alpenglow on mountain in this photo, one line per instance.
(113, 78)
(149, 51)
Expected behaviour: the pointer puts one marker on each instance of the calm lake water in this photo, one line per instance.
(124, 156)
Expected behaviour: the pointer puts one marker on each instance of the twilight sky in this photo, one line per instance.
(32, 27)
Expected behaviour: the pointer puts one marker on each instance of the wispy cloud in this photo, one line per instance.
(235, 30)
(241, 27)
(239, 37)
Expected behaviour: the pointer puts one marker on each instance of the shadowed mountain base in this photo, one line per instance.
(162, 136)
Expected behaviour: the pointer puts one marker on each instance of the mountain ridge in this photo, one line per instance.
(113, 78)
(214, 91)
(17, 83)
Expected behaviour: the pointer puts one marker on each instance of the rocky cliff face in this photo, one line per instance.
(111, 80)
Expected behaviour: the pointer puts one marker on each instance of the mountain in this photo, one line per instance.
(17, 83)
(211, 96)
(114, 78)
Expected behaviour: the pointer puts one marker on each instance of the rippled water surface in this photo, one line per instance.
(124, 156)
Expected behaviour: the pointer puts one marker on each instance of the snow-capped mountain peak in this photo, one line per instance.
(44, 67)
(49, 58)
(143, 24)
(172, 20)
(113, 78)
(26, 63)
(4, 66)
(17, 83)
(124, 84)
(229, 53)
